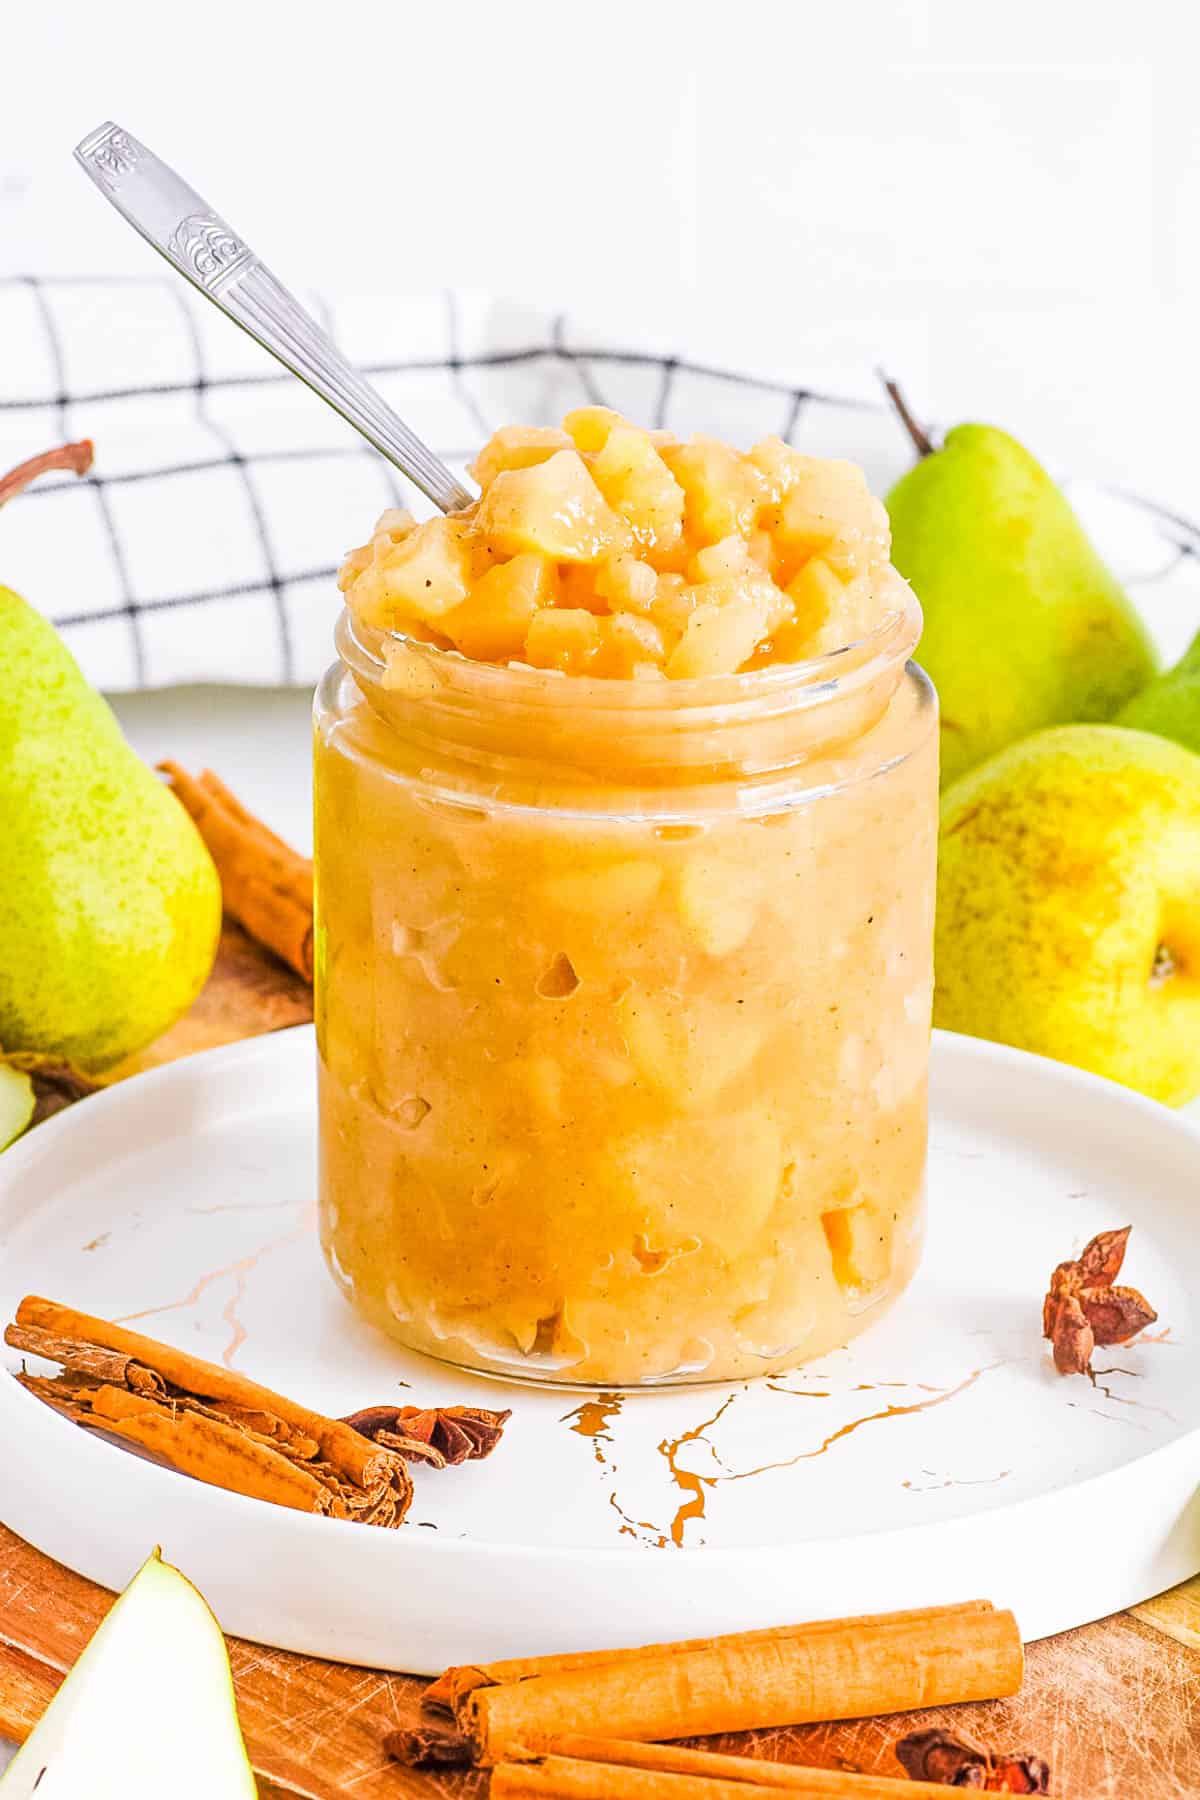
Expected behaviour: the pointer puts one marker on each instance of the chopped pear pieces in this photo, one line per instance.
(601, 549)
(638, 485)
(492, 623)
(589, 427)
(517, 447)
(553, 507)
(426, 574)
(731, 619)
(566, 639)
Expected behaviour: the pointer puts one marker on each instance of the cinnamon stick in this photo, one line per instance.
(674, 1759)
(451, 1688)
(352, 1455)
(84, 1359)
(195, 1444)
(840, 1670)
(267, 886)
(559, 1778)
(604, 1770)
(216, 1424)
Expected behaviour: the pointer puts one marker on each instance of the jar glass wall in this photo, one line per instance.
(623, 999)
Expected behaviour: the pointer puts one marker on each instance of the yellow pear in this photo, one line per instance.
(1068, 915)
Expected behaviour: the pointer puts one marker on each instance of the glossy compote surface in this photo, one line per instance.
(625, 840)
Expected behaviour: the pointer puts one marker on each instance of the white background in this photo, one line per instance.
(1001, 200)
(1004, 199)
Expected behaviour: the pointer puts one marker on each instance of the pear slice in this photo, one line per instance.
(148, 1710)
(17, 1101)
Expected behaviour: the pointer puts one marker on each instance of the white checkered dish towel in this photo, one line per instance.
(204, 545)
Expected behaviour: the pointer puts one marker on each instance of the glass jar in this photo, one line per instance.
(623, 1005)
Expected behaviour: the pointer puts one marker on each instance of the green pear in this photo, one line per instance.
(1024, 625)
(110, 907)
(1169, 705)
(1068, 907)
(148, 1710)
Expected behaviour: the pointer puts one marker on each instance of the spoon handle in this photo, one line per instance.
(196, 240)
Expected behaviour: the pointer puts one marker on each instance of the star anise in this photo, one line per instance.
(939, 1757)
(1084, 1307)
(439, 1435)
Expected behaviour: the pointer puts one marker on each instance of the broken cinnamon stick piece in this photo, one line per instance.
(192, 1415)
(211, 1422)
(82, 1359)
(444, 1694)
(196, 1445)
(839, 1670)
(428, 1747)
(939, 1756)
(266, 885)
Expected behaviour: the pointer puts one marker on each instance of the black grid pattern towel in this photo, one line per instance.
(204, 545)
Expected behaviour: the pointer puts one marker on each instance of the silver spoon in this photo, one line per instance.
(197, 241)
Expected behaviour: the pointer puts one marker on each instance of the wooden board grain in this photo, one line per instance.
(313, 1729)
(1177, 1612)
(1114, 1707)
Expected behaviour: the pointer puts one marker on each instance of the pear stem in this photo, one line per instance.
(75, 458)
(923, 444)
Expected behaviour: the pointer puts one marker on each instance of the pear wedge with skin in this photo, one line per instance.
(148, 1710)
(17, 1103)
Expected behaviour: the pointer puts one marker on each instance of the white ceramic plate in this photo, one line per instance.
(939, 1458)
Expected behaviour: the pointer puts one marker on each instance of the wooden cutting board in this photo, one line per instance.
(1114, 1707)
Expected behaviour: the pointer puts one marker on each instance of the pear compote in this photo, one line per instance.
(625, 871)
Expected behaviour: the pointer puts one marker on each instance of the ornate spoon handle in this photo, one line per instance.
(197, 241)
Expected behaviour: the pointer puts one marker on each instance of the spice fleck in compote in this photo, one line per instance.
(626, 799)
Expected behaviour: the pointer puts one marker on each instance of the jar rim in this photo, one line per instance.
(779, 687)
